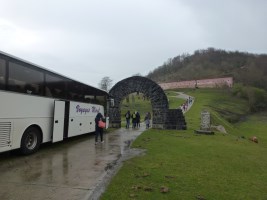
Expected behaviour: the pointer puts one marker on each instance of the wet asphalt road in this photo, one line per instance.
(68, 170)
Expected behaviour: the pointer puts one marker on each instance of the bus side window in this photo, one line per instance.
(15, 86)
(29, 89)
(27, 79)
(2, 83)
(53, 92)
(2, 73)
(12, 85)
(48, 92)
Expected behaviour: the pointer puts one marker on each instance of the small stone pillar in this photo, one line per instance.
(205, 121)
(205, 124)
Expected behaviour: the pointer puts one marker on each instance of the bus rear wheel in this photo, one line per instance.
(30, 141)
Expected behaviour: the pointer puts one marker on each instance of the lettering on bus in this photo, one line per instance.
(95, 110)
(81, 110)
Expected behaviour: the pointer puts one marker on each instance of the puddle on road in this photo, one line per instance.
(70, 169)
(113, 167)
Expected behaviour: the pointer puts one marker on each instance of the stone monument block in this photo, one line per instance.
(205, 120)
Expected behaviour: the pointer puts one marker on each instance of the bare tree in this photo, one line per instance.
(138, 74)
(105, 83)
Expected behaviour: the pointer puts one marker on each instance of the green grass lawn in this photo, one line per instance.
(222, 166)
(175, 103)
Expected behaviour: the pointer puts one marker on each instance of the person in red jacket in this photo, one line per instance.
(98, 130)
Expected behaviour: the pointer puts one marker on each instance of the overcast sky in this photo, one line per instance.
(89, 39)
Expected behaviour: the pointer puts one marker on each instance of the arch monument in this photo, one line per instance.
(162, 116)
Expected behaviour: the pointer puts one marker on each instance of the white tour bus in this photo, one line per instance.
(38, 106)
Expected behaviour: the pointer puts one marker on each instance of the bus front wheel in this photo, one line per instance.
(30, 141)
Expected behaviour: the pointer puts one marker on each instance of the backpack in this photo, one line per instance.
(127, 115)
(134, 116)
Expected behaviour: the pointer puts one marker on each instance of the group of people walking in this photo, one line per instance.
(186, 104)
(135, 116)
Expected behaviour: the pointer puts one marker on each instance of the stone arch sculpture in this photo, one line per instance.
(163, 117)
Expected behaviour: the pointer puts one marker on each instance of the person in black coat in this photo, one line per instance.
(137, 119)
(98, 130)
(128, 117)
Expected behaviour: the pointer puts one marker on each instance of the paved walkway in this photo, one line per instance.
(69, 170)
(184, 96)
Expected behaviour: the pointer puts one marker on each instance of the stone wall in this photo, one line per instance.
(204, 83)
(175, 120)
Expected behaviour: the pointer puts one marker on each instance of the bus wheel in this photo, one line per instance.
(30, 141)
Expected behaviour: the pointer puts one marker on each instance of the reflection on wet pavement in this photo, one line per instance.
(66, 170)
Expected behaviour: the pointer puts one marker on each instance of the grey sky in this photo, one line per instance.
(89, 39)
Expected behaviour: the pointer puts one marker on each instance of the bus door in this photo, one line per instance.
(58, 125)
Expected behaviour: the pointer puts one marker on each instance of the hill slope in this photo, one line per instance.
(246, 68)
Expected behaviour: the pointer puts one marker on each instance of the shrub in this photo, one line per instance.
(256, 97)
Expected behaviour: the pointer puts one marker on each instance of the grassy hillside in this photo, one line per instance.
(249, 69)
(190, 166)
